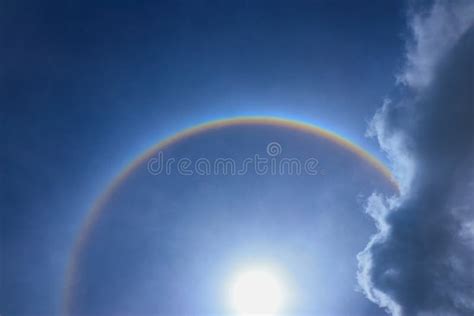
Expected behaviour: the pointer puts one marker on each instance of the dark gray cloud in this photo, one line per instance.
(421, 261)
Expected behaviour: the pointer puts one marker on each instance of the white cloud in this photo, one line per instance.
(421, 260)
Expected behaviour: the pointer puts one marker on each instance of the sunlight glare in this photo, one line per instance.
(257, 291)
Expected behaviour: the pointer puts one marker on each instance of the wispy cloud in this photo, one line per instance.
(434, 32)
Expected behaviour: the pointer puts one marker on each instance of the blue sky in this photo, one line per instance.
(87, 86)
(96, 84)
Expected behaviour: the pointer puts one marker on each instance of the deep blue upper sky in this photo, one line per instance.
(86, 86)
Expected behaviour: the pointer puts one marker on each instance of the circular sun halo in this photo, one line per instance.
(257, 291)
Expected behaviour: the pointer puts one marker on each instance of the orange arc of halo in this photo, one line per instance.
(269, 121)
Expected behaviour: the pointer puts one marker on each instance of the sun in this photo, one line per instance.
(257, 291)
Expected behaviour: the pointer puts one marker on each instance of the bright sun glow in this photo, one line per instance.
(257, 291)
